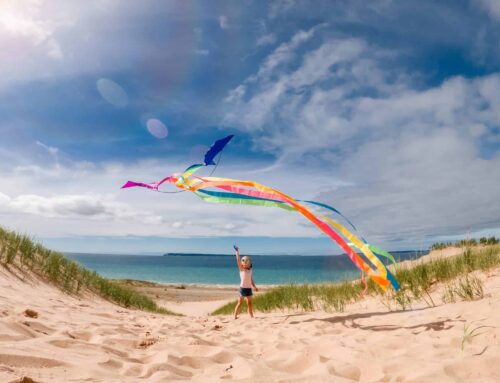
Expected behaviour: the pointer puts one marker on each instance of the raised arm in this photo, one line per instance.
(238, 259)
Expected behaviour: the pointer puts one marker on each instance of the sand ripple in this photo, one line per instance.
(83, 340)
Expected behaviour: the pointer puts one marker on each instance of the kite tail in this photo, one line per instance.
(277, 197)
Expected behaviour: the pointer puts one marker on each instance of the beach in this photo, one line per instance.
(190, 300)
(164, 161)
(86, 339)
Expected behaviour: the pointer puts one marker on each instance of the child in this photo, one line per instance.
(246, 284)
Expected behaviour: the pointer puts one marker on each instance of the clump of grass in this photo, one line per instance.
(302, 298)
(416, 283)
(483, 241)
(468, 288)
(471, 333)
(181, 287)
(296, 297)
(20, 251)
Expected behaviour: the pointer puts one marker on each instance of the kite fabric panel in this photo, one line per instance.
(215, 149)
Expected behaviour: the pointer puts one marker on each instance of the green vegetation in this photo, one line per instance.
(483, 241)
(471, 333)
(416, 285)
(21, 252)
(468, 288)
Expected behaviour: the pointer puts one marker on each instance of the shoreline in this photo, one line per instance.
(144, 284)
(182, 285)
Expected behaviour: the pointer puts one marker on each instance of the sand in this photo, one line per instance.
(89, 340)
(190, 300)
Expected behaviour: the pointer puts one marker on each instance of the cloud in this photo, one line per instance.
(28, 40)
(418, 185)
(490, 6)
(79, 199)
(47, 40)
(93, 206)
(411, 157)
(284, 53)
(267, 39)
(279, 7)
(4, 199)
(336, 109)
(223, 22)
(23, 20)
(276, 87)
(50, 149)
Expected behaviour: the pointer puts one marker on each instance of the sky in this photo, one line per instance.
(387, 110)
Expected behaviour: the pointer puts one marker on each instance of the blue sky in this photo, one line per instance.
(389, 111)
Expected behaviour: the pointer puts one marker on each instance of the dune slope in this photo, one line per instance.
(88, 339)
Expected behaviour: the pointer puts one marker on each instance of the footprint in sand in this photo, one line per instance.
(28, 361)
(195, 362)
(80, 335)
(24, 332)
(174, 372)
(112, 364)
(345, 370)
(134, 371)
(65, 343)
(296, 364)
(39, 327)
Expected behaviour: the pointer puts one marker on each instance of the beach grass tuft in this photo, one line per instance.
(470, 333)
(417, 282)
(21, 252)
(467, 288)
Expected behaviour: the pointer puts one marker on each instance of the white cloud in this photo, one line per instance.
(92, 206)
(279, 7)
(267, 39)
(223, 22)
(28, 38)
(284, 53)
(82, 199)
(23, 19)
(51, 149)
(43, 39)
(4, 199)
(411, 158)
(491, 6)
(278, 87)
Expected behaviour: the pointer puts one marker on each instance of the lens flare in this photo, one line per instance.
(112, 92)
(157, 128)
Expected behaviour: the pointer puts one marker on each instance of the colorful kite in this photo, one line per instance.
(253, 193)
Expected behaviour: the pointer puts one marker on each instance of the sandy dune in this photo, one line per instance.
(89, 340)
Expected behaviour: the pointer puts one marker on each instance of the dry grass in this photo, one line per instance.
(416, 285)
(21, 252)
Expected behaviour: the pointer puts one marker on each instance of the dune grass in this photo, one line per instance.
(416, 284)
(483, 241)
(21, 252)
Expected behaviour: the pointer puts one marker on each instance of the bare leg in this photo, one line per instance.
(250, 306)
(238, 308)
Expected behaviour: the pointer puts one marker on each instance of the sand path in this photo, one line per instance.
(90, 340)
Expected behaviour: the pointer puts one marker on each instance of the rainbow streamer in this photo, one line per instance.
(253, 193)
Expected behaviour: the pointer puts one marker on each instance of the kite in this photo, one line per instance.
(233, 191)
(215, 149)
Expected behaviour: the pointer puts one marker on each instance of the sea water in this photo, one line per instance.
(222, 270)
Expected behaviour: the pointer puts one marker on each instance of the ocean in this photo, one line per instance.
(216, 269)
